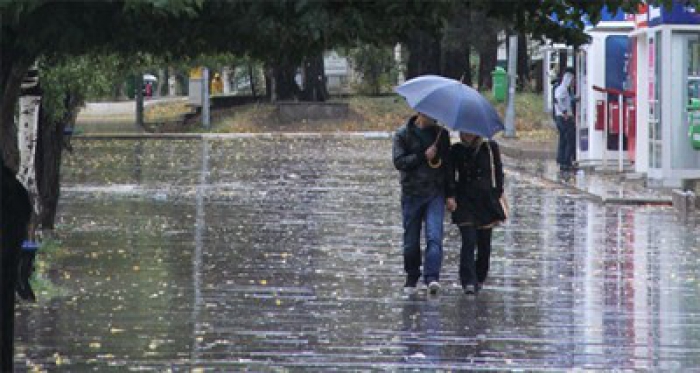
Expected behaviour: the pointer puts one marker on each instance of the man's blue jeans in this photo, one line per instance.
(416, 210)
(566, 150)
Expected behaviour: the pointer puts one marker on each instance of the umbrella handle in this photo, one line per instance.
(438, 136)
(436, 162)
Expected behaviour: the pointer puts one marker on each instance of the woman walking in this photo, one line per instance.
(476, 208)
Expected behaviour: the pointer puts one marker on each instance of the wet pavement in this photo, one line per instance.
(602, 184)
(282, 253)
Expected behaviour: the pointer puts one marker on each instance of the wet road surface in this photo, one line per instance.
(269, 253)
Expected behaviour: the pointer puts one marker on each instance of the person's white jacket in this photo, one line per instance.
(562, 96)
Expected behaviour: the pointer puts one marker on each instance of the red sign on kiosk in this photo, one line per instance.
(600, 115)
(613, 118)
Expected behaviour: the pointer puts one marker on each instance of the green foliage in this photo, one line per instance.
(375, 65)
(134, 36)
(81, 77)
(45, 260)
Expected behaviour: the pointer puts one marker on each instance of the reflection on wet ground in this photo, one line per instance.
(269, 252)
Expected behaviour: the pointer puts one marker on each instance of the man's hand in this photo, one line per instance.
(451, 204)
(431, 152)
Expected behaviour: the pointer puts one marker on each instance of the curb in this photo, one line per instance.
(210, 136)
(546, 151)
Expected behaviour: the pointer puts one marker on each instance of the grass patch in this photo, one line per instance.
(383, 113)
(43, 287)
(166, 111)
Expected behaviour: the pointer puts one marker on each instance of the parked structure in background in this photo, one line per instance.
(337, 71)
(555, 58)
(639, 79)
(603, 109)
(400, 63)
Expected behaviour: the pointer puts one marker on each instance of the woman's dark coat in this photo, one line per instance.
(477, 188)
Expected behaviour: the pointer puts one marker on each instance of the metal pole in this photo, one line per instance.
(205, 98)
(139, 101)
(200, 229)
(512, 71)
(606, 107)
(547, 81)
(620, 132)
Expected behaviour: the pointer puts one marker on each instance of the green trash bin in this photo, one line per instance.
(694, 122)
(500, 84)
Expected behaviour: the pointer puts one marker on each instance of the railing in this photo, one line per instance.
(622, 120)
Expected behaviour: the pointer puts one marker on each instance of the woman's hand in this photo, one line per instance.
(451, 204)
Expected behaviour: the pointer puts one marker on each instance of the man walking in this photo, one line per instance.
(421, 154)
(563, 109)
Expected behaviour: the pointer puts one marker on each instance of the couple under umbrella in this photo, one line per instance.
(466, 177)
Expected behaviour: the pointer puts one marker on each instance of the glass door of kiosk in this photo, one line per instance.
(685, 75)
(582, 106)
(655, 144)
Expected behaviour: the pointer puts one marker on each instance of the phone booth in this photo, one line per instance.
(605, 93)
(668, 87)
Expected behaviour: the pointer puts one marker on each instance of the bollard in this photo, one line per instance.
(685, 204)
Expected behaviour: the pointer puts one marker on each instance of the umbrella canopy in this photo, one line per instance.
(149, 77)
(453, 104)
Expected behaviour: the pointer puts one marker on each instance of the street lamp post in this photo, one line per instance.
(512, 73)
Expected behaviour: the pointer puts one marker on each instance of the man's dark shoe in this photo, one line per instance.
(410, 285)
(468, 290)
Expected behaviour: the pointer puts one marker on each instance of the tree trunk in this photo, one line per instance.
(456, 65)
(251, 77)
(28, 132)
(456, 47)
(162, 80)
(139, 102)
(539, 76)
(314, 80)
(488, 59)
(269, 84)
(50, 147)
(12, 75)
(423, 54)
(523, 63)
(285, 86)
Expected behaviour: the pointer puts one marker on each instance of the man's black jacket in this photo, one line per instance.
(417, 177)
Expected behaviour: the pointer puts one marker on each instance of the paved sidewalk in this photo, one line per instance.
(538, 158)
(283, 253)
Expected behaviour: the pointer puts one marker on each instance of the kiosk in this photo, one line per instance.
(668, 81)
(605, 93)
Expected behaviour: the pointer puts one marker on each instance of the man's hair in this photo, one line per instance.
(570, 70)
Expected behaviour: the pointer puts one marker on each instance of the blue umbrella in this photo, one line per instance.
(452, 103)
